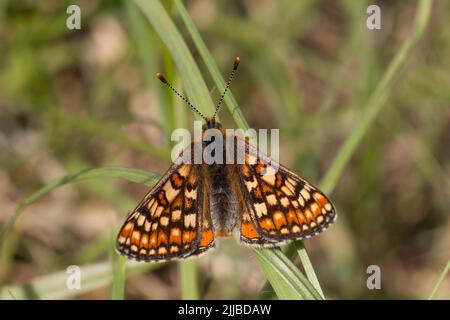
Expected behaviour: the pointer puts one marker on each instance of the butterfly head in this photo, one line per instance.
(210, 121)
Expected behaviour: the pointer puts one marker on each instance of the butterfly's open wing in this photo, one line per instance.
(172, 221)
(281, 206)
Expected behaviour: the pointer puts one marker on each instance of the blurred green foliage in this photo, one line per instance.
(71, 99)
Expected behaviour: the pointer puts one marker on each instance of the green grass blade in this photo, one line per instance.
(286, 280)
(439, 282)
(193, 82)
(118, 277)
(309, 269)
(377, 99)
(118, 271)
(147, 48)
(54, 286)
(211, 65)
(189, 280)
(131, 174)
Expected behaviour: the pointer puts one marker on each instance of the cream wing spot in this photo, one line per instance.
(305, 194)
(284, 202)
(176, 215)
(315, 208)
(136, 235)
(189, 220)
(287, 191)
(158, 211)
(301, 200)
(164, 221)
(147, 226)
(151, 205)
(291, 184)
(269, 178)
(260, 209)
(141, 220)
(251, 184)
(271, 199)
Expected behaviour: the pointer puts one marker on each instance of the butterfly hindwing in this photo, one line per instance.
(170, 221)
(281, 205)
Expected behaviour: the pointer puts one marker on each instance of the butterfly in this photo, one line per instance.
(193, 204)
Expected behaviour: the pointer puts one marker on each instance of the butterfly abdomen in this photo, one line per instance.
(223, 201)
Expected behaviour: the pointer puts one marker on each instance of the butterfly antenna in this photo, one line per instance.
(163, 80)
(235, 66)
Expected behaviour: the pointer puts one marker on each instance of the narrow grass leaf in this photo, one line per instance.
(439, 281)
(55, 286)
(286, 280)
(118, 271)
(378, 98)
(189, 280)
(131, 174)
(309, 269)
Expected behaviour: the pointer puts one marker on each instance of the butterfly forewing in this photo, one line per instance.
(171, 221)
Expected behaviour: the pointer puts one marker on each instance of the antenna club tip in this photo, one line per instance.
(237, 60)
(161, 77)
